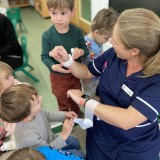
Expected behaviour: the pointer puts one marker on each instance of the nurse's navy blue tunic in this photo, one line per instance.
(107, 142)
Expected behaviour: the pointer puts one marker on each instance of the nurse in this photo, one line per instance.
(129, 90)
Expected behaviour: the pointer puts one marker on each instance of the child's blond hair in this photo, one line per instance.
(4, 67)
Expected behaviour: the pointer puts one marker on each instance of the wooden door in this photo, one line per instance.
(82, 17)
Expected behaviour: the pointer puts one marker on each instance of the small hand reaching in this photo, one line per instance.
(67, 128)
(58, 68)
(77, 53)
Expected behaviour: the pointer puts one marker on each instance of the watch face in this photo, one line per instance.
(85, 96)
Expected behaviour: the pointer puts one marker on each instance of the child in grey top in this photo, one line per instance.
(21, 104)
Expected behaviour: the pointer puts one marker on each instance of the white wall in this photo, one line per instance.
(96, 5)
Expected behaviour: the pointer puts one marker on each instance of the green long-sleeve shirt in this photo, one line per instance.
(51, 38)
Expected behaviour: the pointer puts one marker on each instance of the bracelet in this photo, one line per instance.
(69, 62)
(86, 101)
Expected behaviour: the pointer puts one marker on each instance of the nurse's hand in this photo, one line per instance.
(75, 94)
(60, 54)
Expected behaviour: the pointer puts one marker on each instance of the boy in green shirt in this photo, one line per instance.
(62, 33)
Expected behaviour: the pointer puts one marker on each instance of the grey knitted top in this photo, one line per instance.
(38, 132)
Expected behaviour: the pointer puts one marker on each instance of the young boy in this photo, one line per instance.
(21, 104)
(101, 30)
(42, 153)
(62, 33)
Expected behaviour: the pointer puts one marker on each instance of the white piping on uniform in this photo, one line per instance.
(95, 67)
(147, 124)
(151, 107)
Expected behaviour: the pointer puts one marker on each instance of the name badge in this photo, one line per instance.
(127, 90)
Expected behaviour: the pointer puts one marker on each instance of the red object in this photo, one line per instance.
(60, 85)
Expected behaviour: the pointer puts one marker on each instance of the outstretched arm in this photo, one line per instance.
(77, 69)
(117, 116)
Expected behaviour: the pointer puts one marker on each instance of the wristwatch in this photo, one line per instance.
(84, 99)
(85, 96)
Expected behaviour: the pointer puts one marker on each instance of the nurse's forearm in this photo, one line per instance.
(80, 70)
(119, 117)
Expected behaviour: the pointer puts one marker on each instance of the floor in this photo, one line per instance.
(36, 25)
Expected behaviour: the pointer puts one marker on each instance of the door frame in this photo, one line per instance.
(78, 20)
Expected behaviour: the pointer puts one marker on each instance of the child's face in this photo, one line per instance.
(101, 38)
(36, 105)
(61, 19)
(6, 80)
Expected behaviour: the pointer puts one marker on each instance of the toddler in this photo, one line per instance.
(62, 33)
(101, 30)
(21, 104)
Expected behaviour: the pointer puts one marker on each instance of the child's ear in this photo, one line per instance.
(49, 12)
(96, 32)
(25, 119)
(74, 11)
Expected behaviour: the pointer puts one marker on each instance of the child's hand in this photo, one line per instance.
(70, 115)
(58, 68)
(77, 53)
(67, 128)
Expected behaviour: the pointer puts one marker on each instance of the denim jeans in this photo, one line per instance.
(73, 146)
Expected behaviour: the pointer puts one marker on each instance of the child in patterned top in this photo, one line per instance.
(101, 30)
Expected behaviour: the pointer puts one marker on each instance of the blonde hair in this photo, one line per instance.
(60, 4)
(15, 102)
(4, 67)
(104, 21)
(26, 154)
(140, 28)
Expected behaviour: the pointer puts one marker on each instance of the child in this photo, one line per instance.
(6, 80)
(21, 104)
(6, 76)
(101, 30)
(69, 36)
(42, 153)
